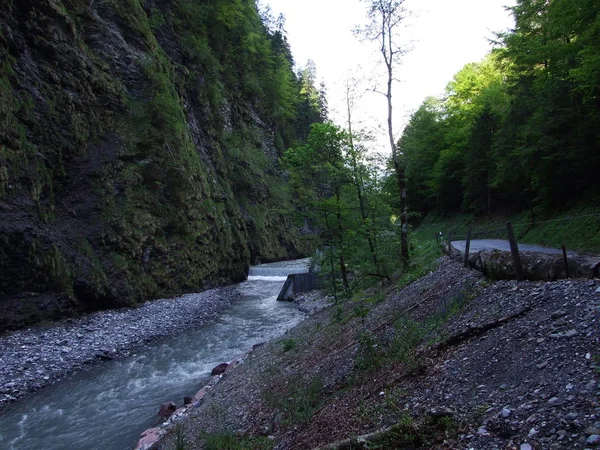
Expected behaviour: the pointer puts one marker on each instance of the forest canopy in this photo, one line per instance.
(520, 129)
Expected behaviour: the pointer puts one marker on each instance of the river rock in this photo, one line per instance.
(167, 410)
(104, 355)
(148, 439)
(555, 401)
(594, 439)
(220, 369)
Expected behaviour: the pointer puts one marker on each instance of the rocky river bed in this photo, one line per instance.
(40, 356)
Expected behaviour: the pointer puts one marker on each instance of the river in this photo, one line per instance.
(109, 405)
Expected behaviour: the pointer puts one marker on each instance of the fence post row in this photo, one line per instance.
(467, 247)
(514, 249)
(566, 261)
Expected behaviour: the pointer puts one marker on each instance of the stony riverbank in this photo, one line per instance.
(451, 361)
(36, 357)
(309, 303)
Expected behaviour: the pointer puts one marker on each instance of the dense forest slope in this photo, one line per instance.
(519, 130)
(139, 146)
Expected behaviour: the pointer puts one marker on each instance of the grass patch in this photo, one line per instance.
(424, 251)
(288, 344)
(576, 228)
(235, 442)
(410, 434)
(296, 399)
(180, 442)
(408, 335)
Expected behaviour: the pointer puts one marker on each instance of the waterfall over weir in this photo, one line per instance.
(279, 269)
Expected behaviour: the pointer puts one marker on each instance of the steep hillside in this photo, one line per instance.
(139, 146)
(451, 361)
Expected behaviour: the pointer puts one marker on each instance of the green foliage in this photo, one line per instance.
(519, 129)
(288, 344)
(296, 399)
(428, 432)
(235, 442)
(342, 195)
(180, 441)
(371, 354)
(576, 228)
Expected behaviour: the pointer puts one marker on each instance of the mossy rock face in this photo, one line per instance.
(129, 168)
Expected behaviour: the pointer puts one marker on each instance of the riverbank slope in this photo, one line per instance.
(450, 361)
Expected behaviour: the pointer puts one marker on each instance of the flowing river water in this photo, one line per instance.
(108, 406)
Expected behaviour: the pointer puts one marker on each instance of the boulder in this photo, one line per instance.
(148, 439)
(166, 410)
(220, 369)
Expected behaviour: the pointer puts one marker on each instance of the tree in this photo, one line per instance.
(318, 176)
(386, 18)
(421, 143)
(479, 164)
(313, 103)
(355, 154)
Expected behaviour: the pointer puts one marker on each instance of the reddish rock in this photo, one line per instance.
(167, 410)
(199, 396)
(220, 369)
(148, 439)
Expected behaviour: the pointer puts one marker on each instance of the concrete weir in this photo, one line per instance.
(298, 284)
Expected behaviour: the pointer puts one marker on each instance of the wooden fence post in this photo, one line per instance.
(514, 249)
(565, 260)
(449, 244)
(467, 248)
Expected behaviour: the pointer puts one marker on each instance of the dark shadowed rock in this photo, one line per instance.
(220, 369)
(167, 410)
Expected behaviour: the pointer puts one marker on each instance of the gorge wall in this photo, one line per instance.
(139, 146)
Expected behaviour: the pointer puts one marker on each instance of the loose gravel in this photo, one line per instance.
(517, 367)
(33, 358)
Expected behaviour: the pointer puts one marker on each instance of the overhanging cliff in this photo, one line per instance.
(139, 146)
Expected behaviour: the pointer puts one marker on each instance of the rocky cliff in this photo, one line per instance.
(139, 146)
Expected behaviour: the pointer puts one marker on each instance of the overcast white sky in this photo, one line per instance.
(445, 35)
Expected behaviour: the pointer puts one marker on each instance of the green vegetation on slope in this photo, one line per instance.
(518, 130)
(152, 132)
(576, 228)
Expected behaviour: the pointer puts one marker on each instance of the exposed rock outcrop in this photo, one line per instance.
(138, 153)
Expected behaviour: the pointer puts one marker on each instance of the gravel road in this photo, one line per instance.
(498, 244)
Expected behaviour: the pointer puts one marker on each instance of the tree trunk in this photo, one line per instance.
(400, 175)
(358, 183)
(343, 268)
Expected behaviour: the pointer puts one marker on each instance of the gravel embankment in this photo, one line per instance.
(516, 367)
(36, 357)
